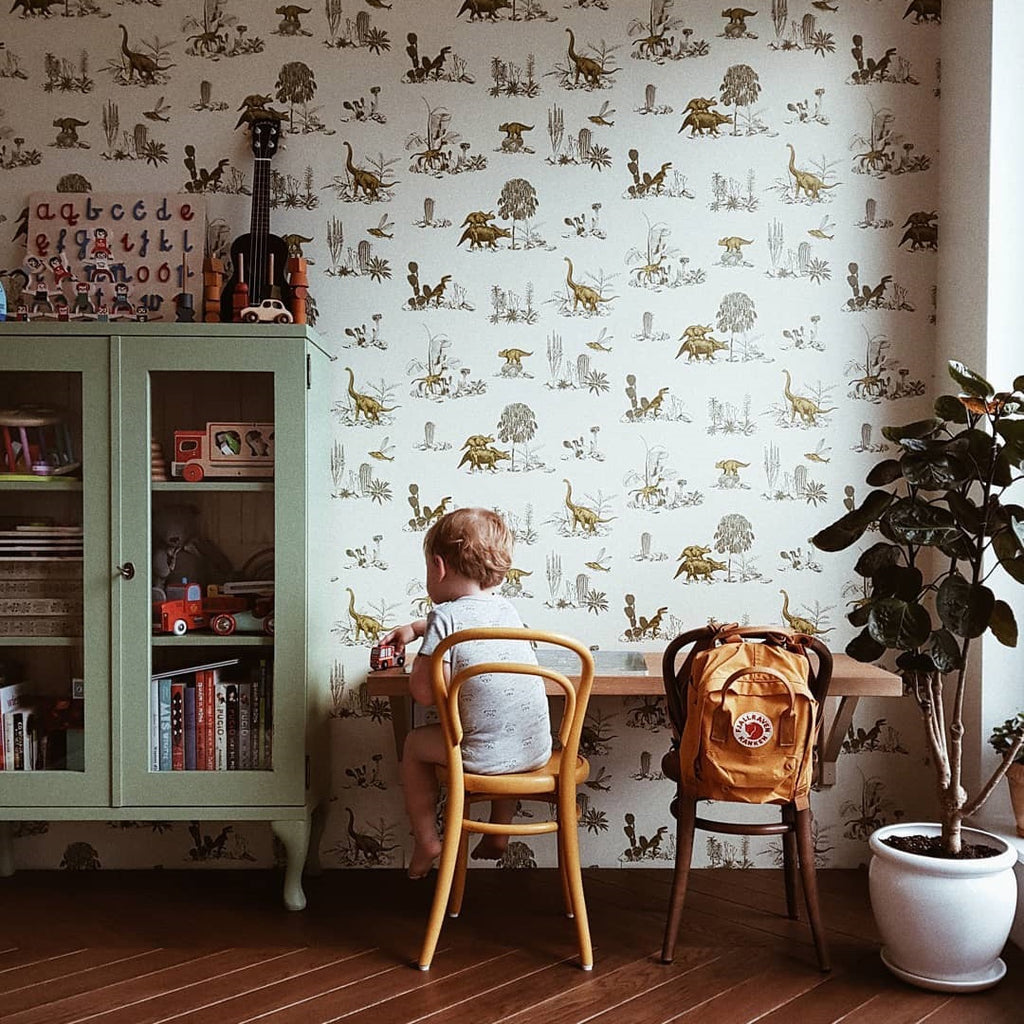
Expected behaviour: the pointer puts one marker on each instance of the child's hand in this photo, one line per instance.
(400, 636)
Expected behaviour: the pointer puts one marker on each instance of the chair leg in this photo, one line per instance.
(563, 875)
(790, 861)
(686, 814)
(459, 884)
(445, 874)
(809, 877)
(569, 841)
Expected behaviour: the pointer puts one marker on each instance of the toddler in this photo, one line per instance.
(504, 716)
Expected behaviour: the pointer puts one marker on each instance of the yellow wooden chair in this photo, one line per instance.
(554, 782)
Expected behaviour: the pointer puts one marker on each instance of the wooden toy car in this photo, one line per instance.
(272, 311)
(181, 611)
(224, 449)
(385, 656)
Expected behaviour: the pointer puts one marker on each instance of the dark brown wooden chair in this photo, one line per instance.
(795, 824)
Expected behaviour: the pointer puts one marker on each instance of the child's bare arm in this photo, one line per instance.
(420, 688)
(401, 636)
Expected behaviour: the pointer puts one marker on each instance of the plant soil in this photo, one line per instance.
(931, 846)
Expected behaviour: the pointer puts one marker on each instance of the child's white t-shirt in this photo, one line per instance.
(505, 719)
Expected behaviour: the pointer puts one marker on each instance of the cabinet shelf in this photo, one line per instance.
(206, 640)
(57, 483)
(41, 641)
(264, 486)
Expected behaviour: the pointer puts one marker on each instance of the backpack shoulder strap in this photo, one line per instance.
(676, 682)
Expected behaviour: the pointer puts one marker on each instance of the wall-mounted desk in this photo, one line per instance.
(638, 674)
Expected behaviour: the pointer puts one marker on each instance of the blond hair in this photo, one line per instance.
(474, 542)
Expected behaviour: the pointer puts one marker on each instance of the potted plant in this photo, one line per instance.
(1003, 739)
(944, 526)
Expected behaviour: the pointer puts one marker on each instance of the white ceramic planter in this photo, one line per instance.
(943, 922)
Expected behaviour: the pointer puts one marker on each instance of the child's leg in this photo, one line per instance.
(424, 751)
(494, 847)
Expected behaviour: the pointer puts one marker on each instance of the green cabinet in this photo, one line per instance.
(160, 487)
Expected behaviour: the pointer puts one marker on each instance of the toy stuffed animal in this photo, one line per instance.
(180, 551)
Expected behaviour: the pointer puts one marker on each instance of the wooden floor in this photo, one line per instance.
(217, 947)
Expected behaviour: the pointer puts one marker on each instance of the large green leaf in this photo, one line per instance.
(865, 648)
(944, 650)
(859, 615)
(902, 581)
(1014, 567)
(904, 625)
(965, 512)
(1003, 624)
(875, 557)
(973, 383)
(964, 608)
(934, 469)
(915, 661)
(917, 429)
(916, 522)
(947, 407)
(1012, 431)
(848, 528)
(885, 472)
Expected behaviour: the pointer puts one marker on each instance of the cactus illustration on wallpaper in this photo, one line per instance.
(641, 627)
(214, 33)
(511, 79)
(354, 32)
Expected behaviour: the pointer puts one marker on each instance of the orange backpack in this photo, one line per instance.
(750, 720)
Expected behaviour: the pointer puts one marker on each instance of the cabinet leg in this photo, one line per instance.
(6, 849)
(317, 822)
(294, 836)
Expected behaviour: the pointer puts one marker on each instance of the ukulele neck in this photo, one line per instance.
(259, 232)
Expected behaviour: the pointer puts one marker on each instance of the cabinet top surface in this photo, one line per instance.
(56, 328)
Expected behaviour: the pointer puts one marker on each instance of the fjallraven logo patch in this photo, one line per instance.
(752, 729)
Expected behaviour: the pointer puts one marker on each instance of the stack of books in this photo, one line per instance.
(40, 731)
(41, 580)
(212, 717)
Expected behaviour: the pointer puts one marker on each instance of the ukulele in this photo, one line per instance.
(258, 258)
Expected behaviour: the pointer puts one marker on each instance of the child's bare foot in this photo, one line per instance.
(423, 857)
(490, 848)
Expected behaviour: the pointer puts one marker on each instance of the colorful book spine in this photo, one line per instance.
(164, 702)
(200, 729)
(231, 692)
(177, 726)
(221, 726)
(245, 726)
(209, 682)
(257, 725)
(190, 726)
(154, 725)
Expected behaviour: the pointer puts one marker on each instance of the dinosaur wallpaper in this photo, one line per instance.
(646, 276)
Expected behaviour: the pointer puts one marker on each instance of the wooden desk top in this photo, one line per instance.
(849, 679)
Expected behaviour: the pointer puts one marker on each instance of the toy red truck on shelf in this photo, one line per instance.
(234, 607)
(236, 449)
(385, 656)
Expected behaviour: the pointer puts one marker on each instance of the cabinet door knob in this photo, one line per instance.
(127, 570)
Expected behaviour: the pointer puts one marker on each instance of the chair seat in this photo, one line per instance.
(540, 780)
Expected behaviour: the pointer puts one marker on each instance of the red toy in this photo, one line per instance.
(236, 449)
(186, 608)
(385, 656)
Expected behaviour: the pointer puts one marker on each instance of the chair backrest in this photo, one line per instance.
(677, 677)
(446, 694)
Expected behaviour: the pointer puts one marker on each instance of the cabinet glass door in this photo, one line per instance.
(55, 570)
(212, 702)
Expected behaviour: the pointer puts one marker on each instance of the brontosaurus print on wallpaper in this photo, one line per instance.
(646, 276)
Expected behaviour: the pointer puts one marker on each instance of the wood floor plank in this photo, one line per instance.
(403, 993)
(339, 973)
(86, 970)
(617, 989)
(761, 991)
(176, 967)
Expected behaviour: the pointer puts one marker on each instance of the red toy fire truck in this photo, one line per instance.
(385, 656)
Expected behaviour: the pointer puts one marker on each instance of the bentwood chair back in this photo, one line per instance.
(795, 823)
(554, 783)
